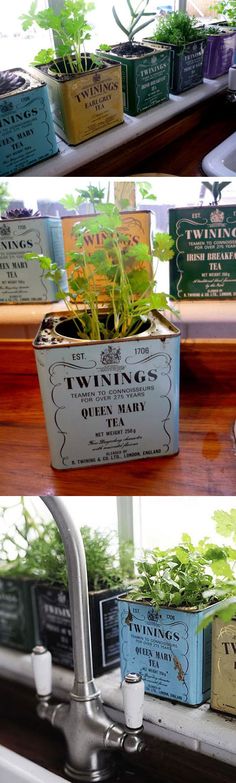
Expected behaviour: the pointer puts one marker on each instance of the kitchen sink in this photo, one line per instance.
(17, 769)
(221, 161)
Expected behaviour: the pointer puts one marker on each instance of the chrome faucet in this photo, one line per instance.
(90, 735)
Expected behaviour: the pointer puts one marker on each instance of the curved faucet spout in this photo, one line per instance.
(84, 685)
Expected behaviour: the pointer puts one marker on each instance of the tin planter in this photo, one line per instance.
(165, 648)
(145, 77)
(27, 134)
(219, 54)
(136, 226)
(53, 625)
(84, 104)
(223, 693)
(204, 263)
(186, 65)
(111, 400)
(16, 613)
(20, 280)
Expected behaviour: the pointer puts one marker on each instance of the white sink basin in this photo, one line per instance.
(221, 161)
(16, 769)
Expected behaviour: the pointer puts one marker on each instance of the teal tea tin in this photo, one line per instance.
(21, 280)
(163, 645)
(205, 252)
(27, 133)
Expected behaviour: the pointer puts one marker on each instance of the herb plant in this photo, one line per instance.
(178, 28)
(128, 282)
(215, 189)
(190, 576)
(95, 197)
(71, 30)
(137, 14)
(39, 553)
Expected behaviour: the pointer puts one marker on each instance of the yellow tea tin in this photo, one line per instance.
(223, 691)
(84, 104)
(135, 225)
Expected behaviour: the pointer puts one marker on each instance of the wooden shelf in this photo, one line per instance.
(205, 464)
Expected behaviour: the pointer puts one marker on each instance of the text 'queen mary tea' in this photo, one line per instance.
(165, 647)
(21, 280)
(27, 134)
(109, 401)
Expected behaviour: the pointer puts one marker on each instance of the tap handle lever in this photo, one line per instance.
(133, 700)
(42, 671)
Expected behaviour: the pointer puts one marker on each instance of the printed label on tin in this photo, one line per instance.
(190, 65)
(205, 261)
(21, 280)
(26, 130)
(89, 105)
(112, 402)
(109, 631)
(152, 76)
(164, 647)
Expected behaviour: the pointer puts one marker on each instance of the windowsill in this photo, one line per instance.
(206, 319)
(71, 158)
(198, 729)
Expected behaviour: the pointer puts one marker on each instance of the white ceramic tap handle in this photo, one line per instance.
(133, 700)
(42, 670)
(232, 78)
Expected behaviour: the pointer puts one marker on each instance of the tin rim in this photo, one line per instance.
(60, 331)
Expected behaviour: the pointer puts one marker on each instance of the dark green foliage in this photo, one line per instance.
(178, 28)
(39, 553)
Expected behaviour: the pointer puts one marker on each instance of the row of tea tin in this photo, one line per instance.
(203, 266)
(176, 661)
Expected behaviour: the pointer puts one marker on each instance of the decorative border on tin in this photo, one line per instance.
(92, 363)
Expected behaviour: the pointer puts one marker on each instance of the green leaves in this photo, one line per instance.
(178, 28)
(44, 57)
(163, 246)
(39, 552)
(116, 272)
(4, 196)
(72, 30)
(226, 523)
(136, 15)
(188, 575)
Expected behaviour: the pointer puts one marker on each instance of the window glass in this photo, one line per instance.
(96, 512)
(18, 48)
(161, 521)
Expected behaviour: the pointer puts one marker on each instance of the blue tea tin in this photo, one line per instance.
(26, 128)
(21, 280)
(163, 645)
